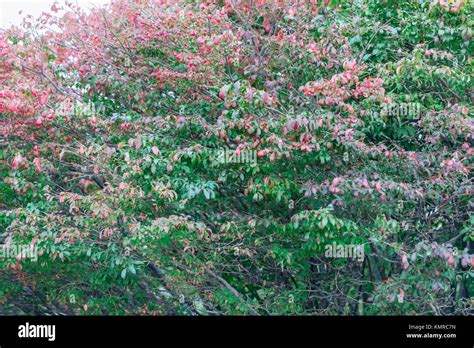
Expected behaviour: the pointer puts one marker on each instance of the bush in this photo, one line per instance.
(204, 157)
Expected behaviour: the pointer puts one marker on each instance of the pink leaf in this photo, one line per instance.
(138, 143)
(223, 91)
(37, 163)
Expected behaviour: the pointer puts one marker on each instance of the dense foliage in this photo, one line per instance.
(199, 157)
